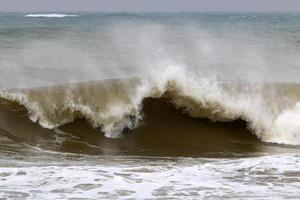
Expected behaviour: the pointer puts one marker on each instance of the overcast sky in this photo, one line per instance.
(149, 5)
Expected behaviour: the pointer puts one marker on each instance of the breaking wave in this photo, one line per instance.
(208, 66)
(271, 110)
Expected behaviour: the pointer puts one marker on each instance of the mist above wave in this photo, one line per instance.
(95, 47)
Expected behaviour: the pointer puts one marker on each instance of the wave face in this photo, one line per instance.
(50, 15)
(102, 67)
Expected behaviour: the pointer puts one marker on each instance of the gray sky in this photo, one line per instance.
(149, 5)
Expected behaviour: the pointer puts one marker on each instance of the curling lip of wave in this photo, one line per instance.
(54, 15)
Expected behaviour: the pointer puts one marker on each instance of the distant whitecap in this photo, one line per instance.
(50, 15)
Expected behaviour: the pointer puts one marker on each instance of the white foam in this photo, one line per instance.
(286, 128)
(265, 177)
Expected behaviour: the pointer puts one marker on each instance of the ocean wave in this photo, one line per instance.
(271, 110)
(54, 15)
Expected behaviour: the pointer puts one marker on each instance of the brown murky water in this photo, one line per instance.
(165, 131)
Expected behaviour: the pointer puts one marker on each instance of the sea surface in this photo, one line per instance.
(149, 106)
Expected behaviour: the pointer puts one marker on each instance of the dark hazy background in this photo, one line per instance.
(150, 5)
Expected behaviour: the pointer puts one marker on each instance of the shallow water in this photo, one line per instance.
(265, 177)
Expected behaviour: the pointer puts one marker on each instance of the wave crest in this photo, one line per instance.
(54, 15)
(271, 110)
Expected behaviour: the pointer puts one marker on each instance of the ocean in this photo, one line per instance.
(149, 105)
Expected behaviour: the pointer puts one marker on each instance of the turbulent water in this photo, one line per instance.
(149, 105)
